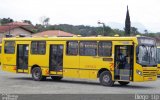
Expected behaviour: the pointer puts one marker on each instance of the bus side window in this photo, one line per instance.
(88, 48)
(104, 48)
(72, 48)
(38, 47)
(9, 47)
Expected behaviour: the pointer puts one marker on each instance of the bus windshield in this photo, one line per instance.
(147, 55)
(158, 55)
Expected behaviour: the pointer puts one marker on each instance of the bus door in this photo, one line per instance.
(56, 59)
(124, 62)
(22, 58)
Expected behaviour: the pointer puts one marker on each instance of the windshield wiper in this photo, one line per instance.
(147, 51)
(152, 53)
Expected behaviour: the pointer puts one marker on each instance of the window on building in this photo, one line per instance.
(72, 48)
(9, 47)
(88, 48)
(104, 48)
(38, 47)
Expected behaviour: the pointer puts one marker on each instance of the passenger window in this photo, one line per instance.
(72, 48)
(104, 48)
(9, 47)
(88, 48)
(38, 47)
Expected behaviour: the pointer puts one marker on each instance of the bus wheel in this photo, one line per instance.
(37, 74)
(123, 83)
(106, 79)
(56, 78)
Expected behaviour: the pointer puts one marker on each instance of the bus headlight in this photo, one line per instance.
(139, 72)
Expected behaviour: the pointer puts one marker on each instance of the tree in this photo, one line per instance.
(5, 21)
(134, 30)
(44, 21)
(127, 23)
(146, 32)
(108, 31)
(27, 21)
(39, 28)
(120, 32)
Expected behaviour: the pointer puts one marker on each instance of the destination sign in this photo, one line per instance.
(147, 41)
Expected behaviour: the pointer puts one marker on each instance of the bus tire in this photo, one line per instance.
(37, 74)
(56, 78)
(106, 79)
(123, 83)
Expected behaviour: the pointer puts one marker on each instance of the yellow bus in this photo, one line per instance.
(158, 59)
(109, 59)
(0, 52)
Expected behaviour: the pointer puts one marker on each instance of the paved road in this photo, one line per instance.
(23, 84)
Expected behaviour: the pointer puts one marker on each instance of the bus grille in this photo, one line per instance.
(149, 73)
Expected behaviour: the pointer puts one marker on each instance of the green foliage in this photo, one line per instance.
(82, 29)
(27, 21)
(39, 28)
(120, 32)
(127, 23)
(134, 31)
(79, 29)
(5, 21)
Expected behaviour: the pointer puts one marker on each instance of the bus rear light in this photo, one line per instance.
(14, 68)
(150, 78)
(47, 72)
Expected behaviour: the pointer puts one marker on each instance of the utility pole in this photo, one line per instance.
(103, 26)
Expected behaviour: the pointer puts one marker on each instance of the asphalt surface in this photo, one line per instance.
(11, 83)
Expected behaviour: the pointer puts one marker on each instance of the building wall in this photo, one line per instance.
(1, 36)
(18, 31)
(15, 32)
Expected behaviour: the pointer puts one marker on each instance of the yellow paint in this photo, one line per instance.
(158, 70)
(0, 52)
(74, 73)
(9, 68)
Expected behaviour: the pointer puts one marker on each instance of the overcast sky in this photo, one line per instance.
(86, 12)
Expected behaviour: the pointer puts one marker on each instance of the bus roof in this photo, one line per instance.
(73, 38)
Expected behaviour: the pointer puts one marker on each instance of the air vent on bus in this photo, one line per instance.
(9, 35)
(22, 35)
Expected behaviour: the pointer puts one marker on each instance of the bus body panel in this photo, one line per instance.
(158, 56)
(9, 60)
(158, 71)
(0, 52)
(76, 66)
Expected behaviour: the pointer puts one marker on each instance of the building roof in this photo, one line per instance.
(51, 33)
(18, 24)
(10, 26)
(7, 28)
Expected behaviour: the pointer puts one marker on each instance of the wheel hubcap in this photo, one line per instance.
(106, 78)
(36, 74)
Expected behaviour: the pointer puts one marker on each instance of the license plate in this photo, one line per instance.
(149, 78)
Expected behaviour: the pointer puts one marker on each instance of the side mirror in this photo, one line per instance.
(137, 52)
